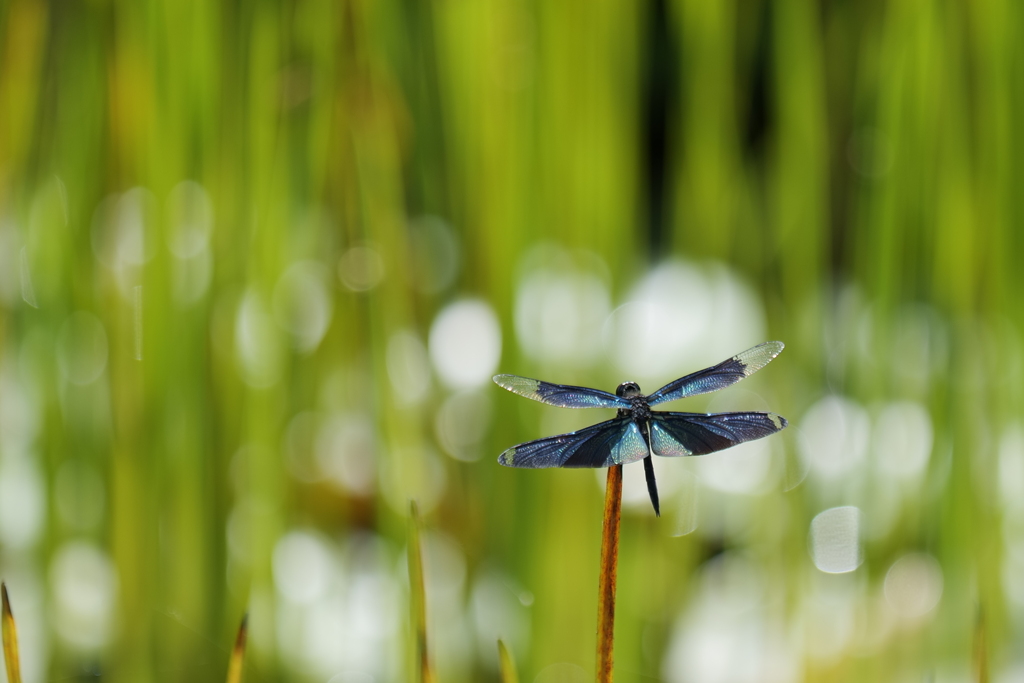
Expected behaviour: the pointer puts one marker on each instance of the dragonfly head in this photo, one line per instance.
(628, 390)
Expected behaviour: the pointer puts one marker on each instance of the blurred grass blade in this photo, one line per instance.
(418, 597)
(10, 638)
(980, 649)
(609, 574)
(507, 664)
(238, 652)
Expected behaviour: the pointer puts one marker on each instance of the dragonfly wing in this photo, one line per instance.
(718, 376)
(615, 442)
(679, 434)
(561, 395)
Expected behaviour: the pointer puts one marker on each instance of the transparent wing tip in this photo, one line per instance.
(507, 381)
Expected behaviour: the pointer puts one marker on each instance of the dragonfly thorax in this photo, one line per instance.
(640, 410)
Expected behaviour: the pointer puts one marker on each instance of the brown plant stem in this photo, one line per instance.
(609, 574)
(10, 639)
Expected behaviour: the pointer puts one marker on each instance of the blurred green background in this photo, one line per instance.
(258, 262)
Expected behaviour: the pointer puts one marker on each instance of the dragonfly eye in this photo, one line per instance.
(628, 390)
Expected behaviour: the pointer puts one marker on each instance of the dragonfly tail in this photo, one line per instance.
(652, 484)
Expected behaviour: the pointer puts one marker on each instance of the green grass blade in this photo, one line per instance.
(418, 597)
(507, 664)
(10, 638)
(980, 650)
(238, 652)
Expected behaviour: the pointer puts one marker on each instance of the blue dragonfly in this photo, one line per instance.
(637, 432)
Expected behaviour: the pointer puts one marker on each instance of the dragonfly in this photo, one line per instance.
(637, 432)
